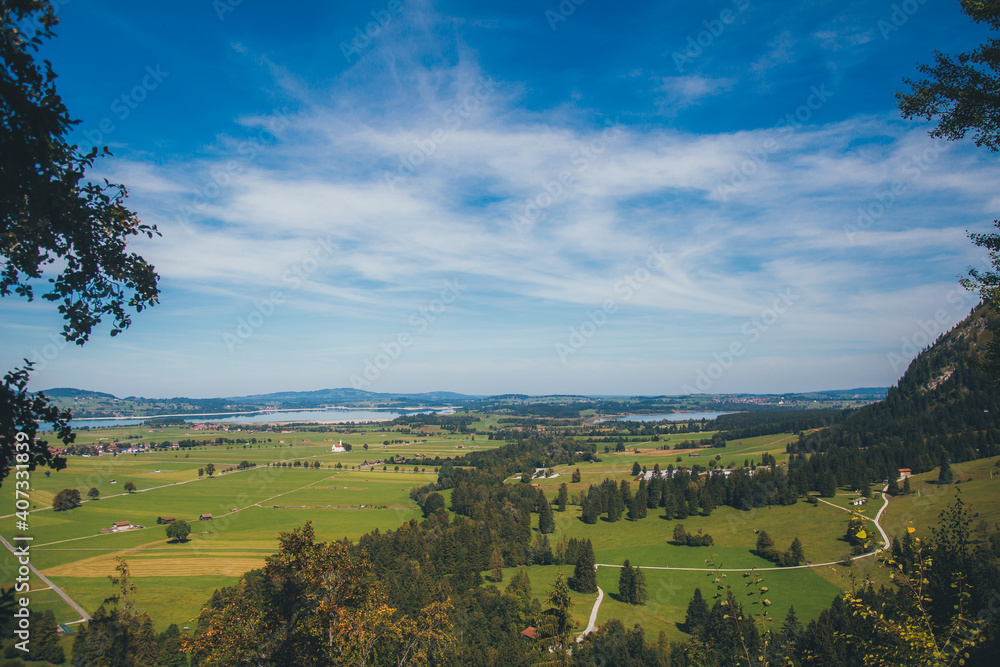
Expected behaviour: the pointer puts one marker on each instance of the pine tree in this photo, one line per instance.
(636, 469)
(796, 556)
(946, 476)
(168, 648)
(520, 584)
(584, 574)
(615, 507)
(546, 520)
(765, 545)
(639, 594)
(576, 476)
(591, 509)
(560, 598)
(906, 487)
(563, 497)
(626, 583)
(496, 566)
(697, 612)
(44, 644)
(669, 503)
(893, 488)
(626, 493)
(642, 499)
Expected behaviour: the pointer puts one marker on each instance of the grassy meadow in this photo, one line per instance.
(250, 508)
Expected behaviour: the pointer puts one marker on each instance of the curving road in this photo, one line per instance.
(592, 626)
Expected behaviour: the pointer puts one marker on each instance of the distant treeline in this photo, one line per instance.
(752, 424)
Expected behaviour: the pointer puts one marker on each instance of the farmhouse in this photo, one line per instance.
(904, 473)
(205, 517)
(120, 525)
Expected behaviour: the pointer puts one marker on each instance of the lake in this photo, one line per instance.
(319, 415)
(672, 416)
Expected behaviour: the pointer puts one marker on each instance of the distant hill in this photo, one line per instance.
(945, 404)
(67, 392)
(98, 404)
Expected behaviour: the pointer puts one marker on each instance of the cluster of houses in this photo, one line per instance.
(668, 472)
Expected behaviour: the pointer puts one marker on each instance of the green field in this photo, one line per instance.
(249, 508)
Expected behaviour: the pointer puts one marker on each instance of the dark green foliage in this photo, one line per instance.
(113, 638)
(612, 644)
(52, 215)
(684, 538)
(576, 476)
(584, 575)
(433, 502)
(66, 499)
(546, 520)
(168, 648)
(632, 585)
(520, 584)
(962, 92)
(697, 612)
(562, 498)
(945, 475)
(44, 644)
(178, 531)
(795, 555)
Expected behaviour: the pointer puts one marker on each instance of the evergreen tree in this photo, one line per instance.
(44, 645)
(496, 566)
(697, 612)
(168, 648)
(639, 594)
(796, 556)
(680, 535)
(642, 499)
(945, 476)
(636, 469)
(635, 508)
(828, 486)
(906, 487)
(520, 584)
(669, 503)
(546, 520)
(626, 493)
(584, 575)
(626, 583)
(765, 545)
(893, 488)
(563, 497)
(591, 509)
(615, 507)
(576, 476)
(560, 599)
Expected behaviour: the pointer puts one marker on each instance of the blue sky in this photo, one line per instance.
(537, 197)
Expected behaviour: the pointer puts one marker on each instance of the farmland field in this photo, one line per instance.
(249, 508)
(296, 479)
